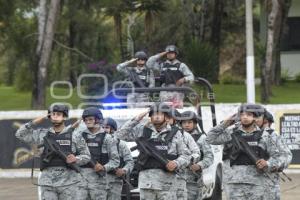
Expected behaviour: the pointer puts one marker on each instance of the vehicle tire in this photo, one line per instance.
(217, 192)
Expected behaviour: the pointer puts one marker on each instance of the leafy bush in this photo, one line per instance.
(23, 78)
(202, 60)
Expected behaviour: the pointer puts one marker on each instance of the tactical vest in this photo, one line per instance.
(241, 158)
(159, 144)
(64, 141)
(143, 75)
(95, 147)
(170, 73)
(270, 131)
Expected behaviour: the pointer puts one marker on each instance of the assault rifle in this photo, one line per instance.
(52, 149)
(151, 152)
(242, 146)
(135, 79)
(92, 164)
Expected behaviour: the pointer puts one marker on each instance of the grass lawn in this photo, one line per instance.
(14, 100)
(288, 93)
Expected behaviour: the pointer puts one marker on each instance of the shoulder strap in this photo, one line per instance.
(118, 145)
(171, 134)
(270, 131)
(196, 136)
(102, 136)
(147, 132)
(84, 135)
(178, 65)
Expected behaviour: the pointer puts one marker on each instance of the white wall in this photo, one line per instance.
(290, 63)
(290, 60)
(295, 9)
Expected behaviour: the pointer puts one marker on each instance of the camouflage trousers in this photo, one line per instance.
(272, 188)
(194, 191)
(277, 191)
(243, 191)
(151, 194)
(181, 191)
(96, 191)
(114, 187)
(95, 187)
(71, 192)
(227, 171)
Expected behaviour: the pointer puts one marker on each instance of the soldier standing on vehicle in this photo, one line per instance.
(198, 164)
(166, 152)
(104, 154)
(264, 122)
(115, 182)
(140, 76)
(247, 177)
(172, 73)
(57, 180)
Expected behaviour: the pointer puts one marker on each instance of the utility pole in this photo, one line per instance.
(250, 53)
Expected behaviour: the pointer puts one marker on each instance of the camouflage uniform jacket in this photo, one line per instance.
(109, 146)
(156, 178)
(153, 63)
(247, 174)
(207, 156)
(122, 67)
(56, 176)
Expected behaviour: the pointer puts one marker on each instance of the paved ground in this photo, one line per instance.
(22, 188)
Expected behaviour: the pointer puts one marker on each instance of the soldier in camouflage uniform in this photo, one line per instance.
(57, 180)
(172, 73)
(264, 122)
(194, 152)
(140, 75)
(156, 180)
(198, 164)
(115, 182)
(104, 154)
(245, 179)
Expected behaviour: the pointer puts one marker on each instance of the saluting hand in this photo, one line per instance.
(71, 159)
(171, 166)
(76, 124)
(40, 119)
(162, 54)
(142, 115)
(230, 120)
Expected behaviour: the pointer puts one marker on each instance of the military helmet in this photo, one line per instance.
(256, 109)
(160, 107)
(92, 111)
(174, 113)
(189, 115)
(172, 48)
(111, 122)
(269, 117)
(59, 108)
(141, 55)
